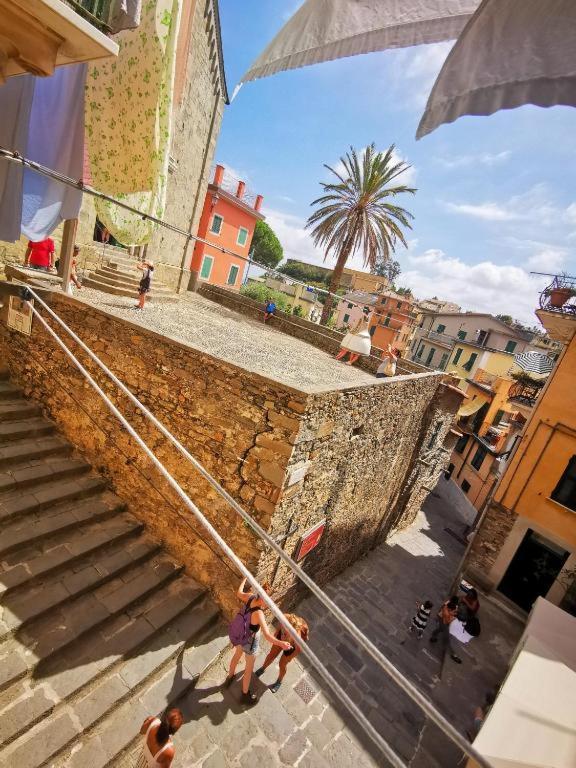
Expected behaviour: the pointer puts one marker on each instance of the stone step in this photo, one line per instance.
(26, 567)
(53, 635)
(118, 670)
(25, 605)
(9, 391)
(46, 525)
(38, 448)
(91, 282)
(123, 280)
(15, 410)
(16, 430)
(116, 738)
(28, 474)
(48, 494)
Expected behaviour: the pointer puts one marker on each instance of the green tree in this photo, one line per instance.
(306, 273)
(357, 212)
(505, 319)
(263, 294)
(297, 311)
(388, 268)
(266, 248)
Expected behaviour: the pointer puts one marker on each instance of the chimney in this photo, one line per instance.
(240, 190)
(219, 175)
(258, 203)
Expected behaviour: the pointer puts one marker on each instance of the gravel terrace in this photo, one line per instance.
(211, 328)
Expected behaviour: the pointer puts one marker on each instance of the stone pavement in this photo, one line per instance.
(380, 593)
(300, 726)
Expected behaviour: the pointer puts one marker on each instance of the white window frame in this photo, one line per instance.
(212, 231)
(242, 229)
(233, 266)
(206, 256)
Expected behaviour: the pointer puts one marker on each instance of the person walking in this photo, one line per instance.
(40, 254)
(289, 655)
(388, 365)
(356, 342)
(420, 620)
(158, 749)
(245, 636)
(460, 633)
(470, 604)
(147, 267)
(446, 616)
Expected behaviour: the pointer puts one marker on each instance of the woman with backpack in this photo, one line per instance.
(245, 637)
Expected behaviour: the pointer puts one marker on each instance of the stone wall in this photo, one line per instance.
(488, 543)
(364, 458)
(196, 125)
(319, 336)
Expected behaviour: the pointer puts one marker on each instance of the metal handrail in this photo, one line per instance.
(402, 682)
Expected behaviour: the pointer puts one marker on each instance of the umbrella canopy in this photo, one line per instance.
(534, 362)
(323, 30)
(511, 53)
(508, 53)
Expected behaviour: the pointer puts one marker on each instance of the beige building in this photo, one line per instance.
(353, 307)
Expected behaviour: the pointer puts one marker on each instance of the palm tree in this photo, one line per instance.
(356, 213)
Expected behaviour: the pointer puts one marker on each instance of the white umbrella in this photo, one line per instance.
(508, 53)
(322, 30)
(534, 362)
(512, 52)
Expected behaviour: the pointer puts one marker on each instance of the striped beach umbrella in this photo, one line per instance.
(534, 362)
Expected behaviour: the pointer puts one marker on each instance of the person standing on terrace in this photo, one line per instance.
(356, 342)
(40, 255)
(147, 267)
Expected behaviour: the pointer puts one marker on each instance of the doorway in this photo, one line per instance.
(533, 570)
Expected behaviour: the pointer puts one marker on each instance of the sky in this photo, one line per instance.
(496, 196)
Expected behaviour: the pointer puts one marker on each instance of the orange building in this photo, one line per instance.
(393, 321)
(228, 219)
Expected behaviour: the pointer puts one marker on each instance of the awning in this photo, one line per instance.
(469, 408)
(323, 30)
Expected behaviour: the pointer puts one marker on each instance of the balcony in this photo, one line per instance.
(524, 393)
(40, 35)
(557, 311)
(442, 339)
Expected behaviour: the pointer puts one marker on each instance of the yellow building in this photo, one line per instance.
(525, 546)
(467, 357)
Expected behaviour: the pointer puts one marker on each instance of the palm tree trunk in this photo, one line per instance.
(334, 284)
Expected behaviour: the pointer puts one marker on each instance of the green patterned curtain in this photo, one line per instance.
(128, 121)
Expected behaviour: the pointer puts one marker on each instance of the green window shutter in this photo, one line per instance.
(462, 335)
(443, 361)
(497, 417)
(242, 236)
(441, 328)
(430, 357)
(458, 355)
(565, 491)
(469, 363)
(510, 346)
(233, 274)
(217, 222)
(479, 457)
(345, 318)
(206, 267)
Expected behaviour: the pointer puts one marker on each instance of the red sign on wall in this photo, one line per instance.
(310, 540)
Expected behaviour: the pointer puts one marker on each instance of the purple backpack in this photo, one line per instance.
(239, 630)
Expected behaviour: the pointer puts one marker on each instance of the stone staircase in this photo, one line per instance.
(119, 277)
(98, 626)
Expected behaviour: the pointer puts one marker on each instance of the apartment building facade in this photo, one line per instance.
(393, 321)
(229, 216)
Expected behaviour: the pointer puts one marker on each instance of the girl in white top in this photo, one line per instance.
(158, 749)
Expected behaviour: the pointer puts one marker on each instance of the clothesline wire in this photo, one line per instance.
(16, 157)
(383, 662)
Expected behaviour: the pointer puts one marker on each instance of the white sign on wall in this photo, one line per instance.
(20, 315)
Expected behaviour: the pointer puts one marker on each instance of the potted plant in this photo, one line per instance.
(561, 291)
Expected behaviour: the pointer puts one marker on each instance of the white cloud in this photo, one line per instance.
(485, 211)
(416, 70)
(571, 213)
(464, 161)
(482, 287)
(532, 206)
(548, 260)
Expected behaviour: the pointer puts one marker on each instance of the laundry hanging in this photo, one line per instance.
(43, 119)
(15, 106)
(128, 122)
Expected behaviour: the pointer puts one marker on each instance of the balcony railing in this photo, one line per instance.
(560, 295)
(524, 394)
(97, 12)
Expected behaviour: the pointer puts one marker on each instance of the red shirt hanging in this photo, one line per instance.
(41, 252)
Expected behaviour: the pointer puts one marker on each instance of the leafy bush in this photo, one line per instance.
(263, 294)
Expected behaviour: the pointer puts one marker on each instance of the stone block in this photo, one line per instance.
(273, 472)
(263, 505)
(283, 422)
(326, 428)
(275, 446)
